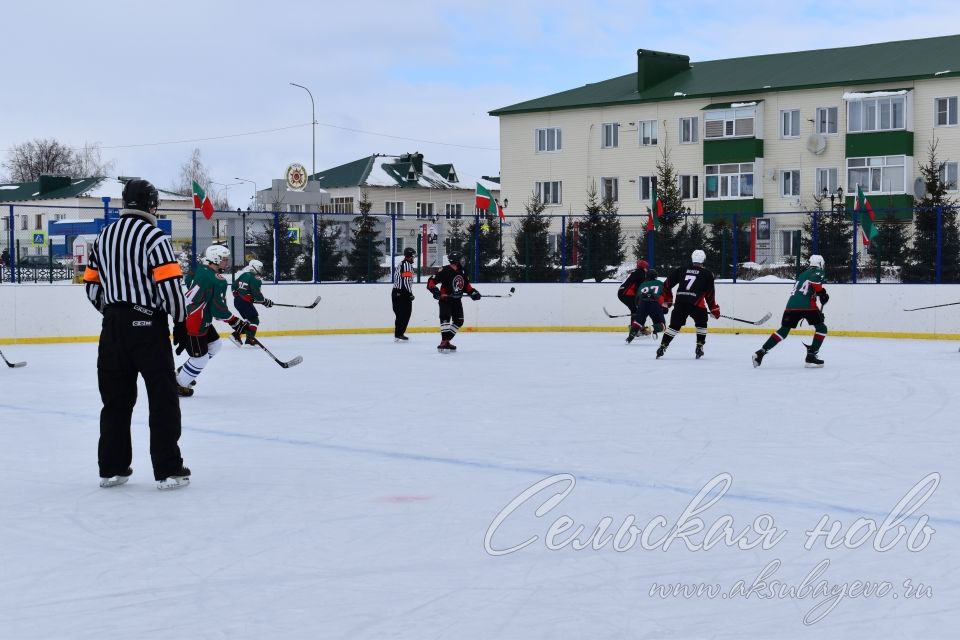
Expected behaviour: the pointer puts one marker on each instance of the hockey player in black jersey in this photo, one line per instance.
(448, 286)
(695, 294)
(649, 305)
(627, 294)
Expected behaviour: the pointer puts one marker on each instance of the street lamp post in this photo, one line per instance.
(313, 123)
(253, 182)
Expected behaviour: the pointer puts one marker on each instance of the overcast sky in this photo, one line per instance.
(151, 81)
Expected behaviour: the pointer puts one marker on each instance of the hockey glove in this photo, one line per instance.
(715, 310)
(238, 325)
(436, 293)
(475, 295)
(180, 336)
(267, 302)
(824, 297)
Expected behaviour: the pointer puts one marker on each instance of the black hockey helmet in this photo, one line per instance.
(409, 252)
(651, 274)
(455, 257)
(141, 195)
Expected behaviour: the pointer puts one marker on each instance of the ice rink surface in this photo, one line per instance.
(373, 491)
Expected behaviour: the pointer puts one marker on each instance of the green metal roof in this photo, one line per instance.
(726, 105)
(375, 169)
(866, 64)
(47, 188)
(351, 174)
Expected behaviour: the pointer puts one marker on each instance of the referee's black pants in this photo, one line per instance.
(402, 307)
(135, 341)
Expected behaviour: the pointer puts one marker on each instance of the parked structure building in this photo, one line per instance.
(753, 135)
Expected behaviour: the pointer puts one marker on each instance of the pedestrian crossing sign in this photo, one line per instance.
(39, 238)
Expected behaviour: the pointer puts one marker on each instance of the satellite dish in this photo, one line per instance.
(816, 143)
(920, 188)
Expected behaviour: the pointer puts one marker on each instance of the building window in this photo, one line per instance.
(611, 135)
(549, 192)
(826, 120)
(789, 243)
(294, 208)
(689, 132)
(38, 221)
(789, 183)
(729, 181)
(945, 112)
(689, 187)
(424, 210)
(648, 133)
(548, 140)
(339, 205)
(398, 245)
(23, 223)
(729, 123)
(453, 211)
(6, 223)
(827, 179)
(880, 174)
(790, 123)
(876, 114)
(948, 175)
(609, 189)
(394, 208)
(648, 185)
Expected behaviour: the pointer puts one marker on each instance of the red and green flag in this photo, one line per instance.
(486, 202)
(202, 201)
(868, 219)
(655, 210)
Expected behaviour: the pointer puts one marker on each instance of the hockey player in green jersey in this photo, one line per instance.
(246, 293)
(649, 304)
(802, 305)
(206, 301)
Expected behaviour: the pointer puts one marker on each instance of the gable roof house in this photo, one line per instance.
(407, 189)
(32, 207)
(754, 136)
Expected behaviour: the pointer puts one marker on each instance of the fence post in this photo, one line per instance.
(853, 243)
(563, 248)
(939, 243)
(736, 241)
(393, 245)
(814, 233)
(316, 248)
(276, 247)
(193, 240)
(476, 246)
(13, 257)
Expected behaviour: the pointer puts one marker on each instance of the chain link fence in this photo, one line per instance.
(50, 244)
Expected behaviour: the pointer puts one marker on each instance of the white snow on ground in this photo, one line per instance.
(350, 497)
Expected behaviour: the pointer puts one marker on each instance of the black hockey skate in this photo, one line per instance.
(813, 362)
(662, 349)
(699, 351)
(401, 339)
(446, 347)
(757, 357)
(117, 480)
(181, 478)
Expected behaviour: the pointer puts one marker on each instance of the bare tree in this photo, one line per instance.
(26, 162)
(88, 162)
(192, 170)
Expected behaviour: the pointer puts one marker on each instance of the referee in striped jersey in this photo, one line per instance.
(402, 295)
(133, 278)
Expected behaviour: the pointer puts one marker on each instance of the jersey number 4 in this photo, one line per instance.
(802, 287)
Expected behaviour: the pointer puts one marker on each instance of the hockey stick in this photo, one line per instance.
(765, 317)
(12, 365)
(298, 306)
(934, 306)
(505, 295)
(621, 315)
(286, 365)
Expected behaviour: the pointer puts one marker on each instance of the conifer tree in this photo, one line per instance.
(922, 256)
(366, 254)
(532, 259)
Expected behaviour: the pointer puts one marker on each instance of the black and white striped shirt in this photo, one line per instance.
(132, 261)
(403, 276)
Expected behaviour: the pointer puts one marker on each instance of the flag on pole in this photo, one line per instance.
(655, 210)
(868, 219)
(486, 202)
(202, 201)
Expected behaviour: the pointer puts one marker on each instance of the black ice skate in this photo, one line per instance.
(757, 357)
(662, 349)
(184, 392)
(635, 328)
(813, 362)
(117, 480)
(176, 480)
(446, 346)
(401, 339)
(699, 351)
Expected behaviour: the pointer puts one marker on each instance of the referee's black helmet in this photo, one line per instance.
(141, 195)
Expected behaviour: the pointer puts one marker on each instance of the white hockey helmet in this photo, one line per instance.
(256, 266)
(816, 261)
(698, 257)
(215, 253)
